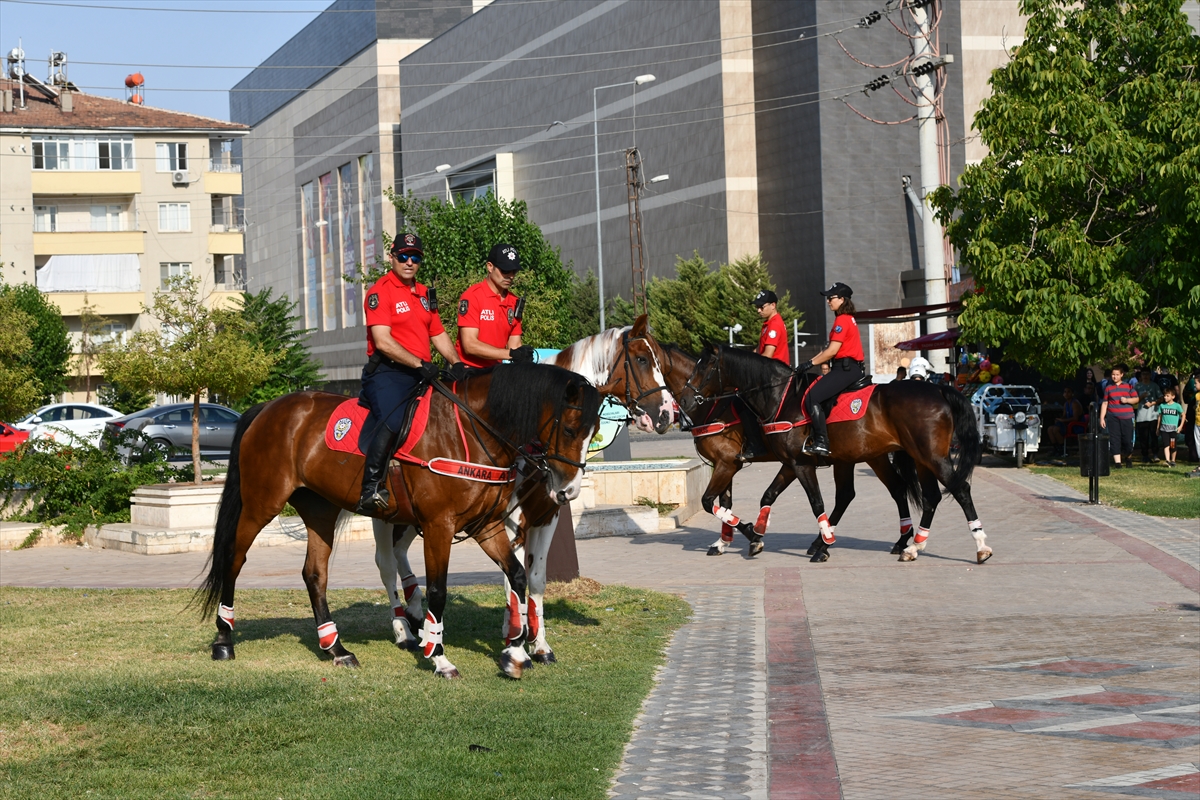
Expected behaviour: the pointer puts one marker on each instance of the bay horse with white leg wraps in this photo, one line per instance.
(914, 418)
(459, 476)
(624, 363)
(717, 432)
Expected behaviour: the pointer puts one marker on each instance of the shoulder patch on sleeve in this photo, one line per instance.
(373, 301)
(837, 329)
(771, 334)
(463, 305)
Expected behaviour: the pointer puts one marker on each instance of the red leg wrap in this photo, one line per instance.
(764, 516)
(726, 533)
(327, 635)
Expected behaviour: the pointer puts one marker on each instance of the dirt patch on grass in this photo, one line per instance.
(577, 589)
(29, 740)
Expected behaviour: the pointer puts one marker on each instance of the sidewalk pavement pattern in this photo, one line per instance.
(1065, 667)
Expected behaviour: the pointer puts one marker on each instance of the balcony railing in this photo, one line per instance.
(83, 227)
(228, 221)
(222, 165)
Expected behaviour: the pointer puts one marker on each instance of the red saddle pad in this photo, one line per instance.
(848, 406)
(345, 425)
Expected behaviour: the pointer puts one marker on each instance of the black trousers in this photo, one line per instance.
(844, 372)
(388, 391)
(1147, 439)
(1120, 435)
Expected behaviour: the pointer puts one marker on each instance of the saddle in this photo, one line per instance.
(850, 405)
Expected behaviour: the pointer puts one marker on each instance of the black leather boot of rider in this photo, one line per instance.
(818, 442)
(375, 496)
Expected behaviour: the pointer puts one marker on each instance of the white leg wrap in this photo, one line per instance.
(225, 614)
(431, 635)
(725, 515)
(826, 529)
(327, 635)
(976, 528)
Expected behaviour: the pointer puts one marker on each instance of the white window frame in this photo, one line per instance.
(171, 156)
(45, 219)
(82, 153)
(108, 218)
(182, 213)
(173, 269)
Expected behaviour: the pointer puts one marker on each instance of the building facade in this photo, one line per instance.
(103, 200)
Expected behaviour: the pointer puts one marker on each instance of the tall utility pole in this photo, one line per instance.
(932, 234)
(633, 181)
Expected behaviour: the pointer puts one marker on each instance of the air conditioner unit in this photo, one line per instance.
(180, 176)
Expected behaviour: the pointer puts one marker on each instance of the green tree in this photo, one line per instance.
(127, 401)
(197, 350)
(694, 307)
(49, 351)
(457, 239)
(1082, 225)
(273, 325)
(91, 341)
(19, 386)
(583, 306)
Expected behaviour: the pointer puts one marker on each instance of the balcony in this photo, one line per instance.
(225, 232)
(88, 242)
(223, 177)
(56, 182)
(223, 165)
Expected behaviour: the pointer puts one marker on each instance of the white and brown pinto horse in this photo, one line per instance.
(625, 363)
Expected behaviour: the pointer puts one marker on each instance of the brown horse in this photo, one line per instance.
(538, 413)
(624, 363)
(718, 436)
(916, 421)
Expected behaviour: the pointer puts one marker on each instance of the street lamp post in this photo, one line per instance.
(438, 170)
(734, 328)
(638, 81)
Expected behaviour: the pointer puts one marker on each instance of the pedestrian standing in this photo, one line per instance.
(1116, 415)
(1170, 417)
(1146, 417)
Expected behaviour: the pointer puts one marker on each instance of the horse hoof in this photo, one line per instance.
(983, 555)
(512, 667)
(222, 652)
(347, 660)
(715, 551)
(820, 558)
(545, 658)
(812, 548)
(897, 549)
(755, 549)
(907, 556)
(450, 674)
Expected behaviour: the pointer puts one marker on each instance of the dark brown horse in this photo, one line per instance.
(542, 414)
(916, 421)
(718, 436)
(624, 363)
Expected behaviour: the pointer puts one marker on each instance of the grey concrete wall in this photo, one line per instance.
(507, 105)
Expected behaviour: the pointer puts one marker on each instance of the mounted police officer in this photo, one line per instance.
(845, 356)
(772, 343)
(489, 315)
(401, 323)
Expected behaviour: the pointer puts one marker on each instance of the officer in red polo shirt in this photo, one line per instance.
(772, 342)
(401, 325)
(845, 356)
(489, 316)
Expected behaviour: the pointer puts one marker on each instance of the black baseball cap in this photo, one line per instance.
(838, 289)
(764, 297)
(408, 243)
(504, 258)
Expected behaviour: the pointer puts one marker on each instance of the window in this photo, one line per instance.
(54, 414)
(174, 217)
(83, 153)
(178, 416)
(472, 183)
(45, 219)
(170, 156)
(218, 415)
(173, 269)
(106, 218)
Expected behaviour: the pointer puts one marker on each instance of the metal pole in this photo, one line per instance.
(935, 265)
(599, 241)
(796, 341)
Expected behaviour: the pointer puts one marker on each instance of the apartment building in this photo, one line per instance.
(102, 200)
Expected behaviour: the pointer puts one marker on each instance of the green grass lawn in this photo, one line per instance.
(1151, 489)
(114, 694)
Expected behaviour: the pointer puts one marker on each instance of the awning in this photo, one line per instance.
(121, 272)
(943, 340)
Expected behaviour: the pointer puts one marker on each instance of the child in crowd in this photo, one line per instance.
(1170, 417)
(1116, 416)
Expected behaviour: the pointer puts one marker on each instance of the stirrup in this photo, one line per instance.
(373, 501)
(813, 447)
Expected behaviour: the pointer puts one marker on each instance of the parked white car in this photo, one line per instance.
(61, 421)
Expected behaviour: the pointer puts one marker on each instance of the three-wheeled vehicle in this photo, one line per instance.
(1009, 418)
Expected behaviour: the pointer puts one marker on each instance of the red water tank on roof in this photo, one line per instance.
(136, 79)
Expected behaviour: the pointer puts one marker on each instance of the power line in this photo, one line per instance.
(316, 11)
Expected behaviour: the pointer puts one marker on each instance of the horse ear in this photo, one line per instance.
(639, 326)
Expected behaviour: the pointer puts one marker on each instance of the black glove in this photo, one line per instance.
(458, 371)
(521, 355)
(428, 370)
(805, 367)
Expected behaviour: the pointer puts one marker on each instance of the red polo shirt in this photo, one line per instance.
(406, 311)
(774, 332)
(845, 330)
(494, 316)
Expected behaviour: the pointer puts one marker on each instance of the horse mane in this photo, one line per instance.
(750, 370)
(518, 392)
(592, 356)
(671, 347)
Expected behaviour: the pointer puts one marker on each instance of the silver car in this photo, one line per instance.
(168, 429)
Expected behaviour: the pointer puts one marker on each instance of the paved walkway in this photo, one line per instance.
(1065, 667)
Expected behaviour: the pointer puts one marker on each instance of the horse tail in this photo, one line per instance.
(967, 432)
(906, 468)
(229, 513)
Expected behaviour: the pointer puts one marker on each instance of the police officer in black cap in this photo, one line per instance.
(845, 356)
(402, 322)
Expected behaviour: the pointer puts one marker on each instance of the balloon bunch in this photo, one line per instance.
(978, 370)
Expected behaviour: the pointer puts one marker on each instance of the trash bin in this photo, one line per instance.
(1089, 459)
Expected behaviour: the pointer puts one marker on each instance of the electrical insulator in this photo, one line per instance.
(877, 84)
(919, 3)
(925, 68)
(870, 19)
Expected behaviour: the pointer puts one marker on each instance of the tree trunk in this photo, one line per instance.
(196, 438)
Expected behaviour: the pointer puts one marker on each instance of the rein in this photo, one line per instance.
(699, 398)
(633, 404)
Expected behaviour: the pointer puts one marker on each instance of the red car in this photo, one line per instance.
(10, 437)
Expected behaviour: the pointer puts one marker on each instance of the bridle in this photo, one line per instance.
(700, 399)
(633, 404)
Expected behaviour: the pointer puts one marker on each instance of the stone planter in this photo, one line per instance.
(176, 505)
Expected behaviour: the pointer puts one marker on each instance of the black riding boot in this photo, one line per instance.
(375, 497)
(818, 442)
(753, 445)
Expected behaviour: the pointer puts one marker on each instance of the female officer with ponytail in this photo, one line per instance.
(845, 354)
